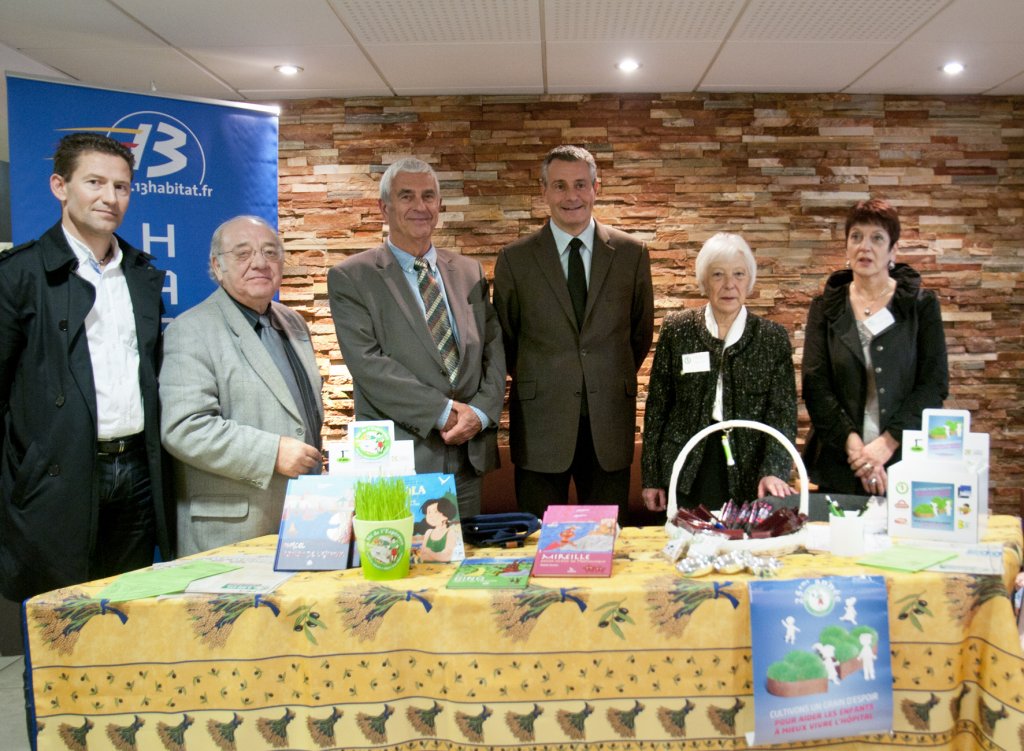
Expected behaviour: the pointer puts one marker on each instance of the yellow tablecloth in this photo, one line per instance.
(643, 659)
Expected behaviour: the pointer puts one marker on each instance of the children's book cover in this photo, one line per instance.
(437, 529)
(821, 658)
(576, 540)
(316, 522)
(316, 525)
(492, 573)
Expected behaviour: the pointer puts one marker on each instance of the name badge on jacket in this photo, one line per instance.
(879, 322)
(697, 362)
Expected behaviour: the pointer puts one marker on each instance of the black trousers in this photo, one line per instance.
(535, 491)
(711, 486)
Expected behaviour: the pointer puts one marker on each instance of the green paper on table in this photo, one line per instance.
(165, 580)
(906, 558)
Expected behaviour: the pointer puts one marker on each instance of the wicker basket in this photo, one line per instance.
(763, 546)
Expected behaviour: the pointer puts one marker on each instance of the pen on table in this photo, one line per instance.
(833, 507)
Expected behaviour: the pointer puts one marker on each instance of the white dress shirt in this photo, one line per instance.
(113, 345)
(562, 240)
(733, 336)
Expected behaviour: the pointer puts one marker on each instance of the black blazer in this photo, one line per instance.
(911, 372)
(48, 506)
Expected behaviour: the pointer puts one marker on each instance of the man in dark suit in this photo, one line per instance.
(576, 305)
(420, 337)
(81, 493)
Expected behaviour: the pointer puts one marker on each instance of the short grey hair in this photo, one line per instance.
(720, 247)
(568, 153)
(405, 164)
(217, 240)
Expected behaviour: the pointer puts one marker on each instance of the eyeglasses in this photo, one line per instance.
(271, 253)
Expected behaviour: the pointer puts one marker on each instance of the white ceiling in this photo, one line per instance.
(227, 49)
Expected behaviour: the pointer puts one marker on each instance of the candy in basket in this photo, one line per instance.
(749, 527)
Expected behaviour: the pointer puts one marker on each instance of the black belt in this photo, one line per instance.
(116, 446)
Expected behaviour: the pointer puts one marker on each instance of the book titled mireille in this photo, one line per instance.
(576, 540)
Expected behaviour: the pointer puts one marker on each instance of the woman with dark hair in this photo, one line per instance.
(874, 358)
(440, 533)
(714, 363)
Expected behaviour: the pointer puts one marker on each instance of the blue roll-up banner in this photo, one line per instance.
(197, 164)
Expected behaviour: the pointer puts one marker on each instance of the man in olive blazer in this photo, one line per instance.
(572, 409)
(398, 372)
(229, 418)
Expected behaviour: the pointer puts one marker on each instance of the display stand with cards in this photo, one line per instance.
(939, 490)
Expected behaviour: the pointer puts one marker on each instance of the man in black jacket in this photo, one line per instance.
(81, 492)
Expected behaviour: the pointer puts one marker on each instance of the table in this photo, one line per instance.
(644, 659)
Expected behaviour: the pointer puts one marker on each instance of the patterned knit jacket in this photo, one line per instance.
(758, 383)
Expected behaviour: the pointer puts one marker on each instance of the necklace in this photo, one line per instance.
(870, 303)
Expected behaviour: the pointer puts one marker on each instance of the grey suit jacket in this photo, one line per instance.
(551, 361)
(396, 369)
(225, 406)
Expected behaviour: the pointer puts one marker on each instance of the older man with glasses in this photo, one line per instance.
(240, 392)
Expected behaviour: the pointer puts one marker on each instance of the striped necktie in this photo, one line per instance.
(437, 319)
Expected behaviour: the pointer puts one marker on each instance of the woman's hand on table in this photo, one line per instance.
(654, 499)
(772, 485)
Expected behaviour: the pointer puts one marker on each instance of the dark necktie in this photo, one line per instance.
(577, 281)
(437, 319)
(281, 353)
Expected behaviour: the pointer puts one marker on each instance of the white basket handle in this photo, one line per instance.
(673, 506)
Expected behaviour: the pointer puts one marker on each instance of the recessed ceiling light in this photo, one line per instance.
(288, 70)
(953, 68)
(629, 65)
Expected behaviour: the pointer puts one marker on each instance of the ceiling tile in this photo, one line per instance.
(977, 21)
(833, 20)
(240, 22)
(135, 69)
(59, 23)
(1013, 87)
(666, 66)
(915, 66)
(463, 68)
(340, 68)
(654, 20)
(787, 66)
(440, 21)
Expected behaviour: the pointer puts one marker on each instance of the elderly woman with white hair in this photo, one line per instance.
(714, 363)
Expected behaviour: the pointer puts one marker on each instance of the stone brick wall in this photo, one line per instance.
(676, 168)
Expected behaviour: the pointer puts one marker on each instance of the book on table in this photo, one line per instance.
(492, 573)
(576, 540)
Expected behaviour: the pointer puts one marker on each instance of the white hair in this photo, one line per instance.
(722, 247)
(405, 164)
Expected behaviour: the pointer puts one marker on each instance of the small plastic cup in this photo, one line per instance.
(846, 534)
